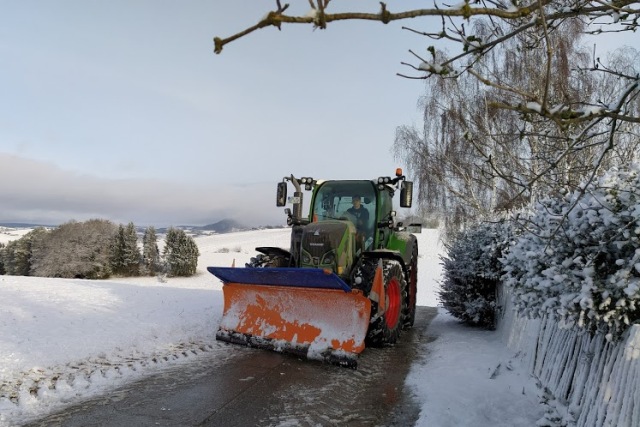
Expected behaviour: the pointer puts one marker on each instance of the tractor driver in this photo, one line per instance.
(360, 214)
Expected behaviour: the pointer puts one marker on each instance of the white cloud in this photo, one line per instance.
(39, 192)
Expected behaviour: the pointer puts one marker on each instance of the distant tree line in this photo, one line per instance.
(98, 249)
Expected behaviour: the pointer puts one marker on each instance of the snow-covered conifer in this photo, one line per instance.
(18, 255)
(471, 272)
(150, 252)
(125, 255)
(2, 270)
(180, 253)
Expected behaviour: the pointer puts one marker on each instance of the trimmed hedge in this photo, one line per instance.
(579, 260)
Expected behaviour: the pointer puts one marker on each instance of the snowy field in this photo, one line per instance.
(63, 341)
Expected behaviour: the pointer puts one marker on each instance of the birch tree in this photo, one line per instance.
(472, 158)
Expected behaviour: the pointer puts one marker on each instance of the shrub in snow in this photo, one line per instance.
(471, 271)
(579, 261)
(74, 250)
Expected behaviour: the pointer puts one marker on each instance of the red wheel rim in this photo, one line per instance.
(393, 303)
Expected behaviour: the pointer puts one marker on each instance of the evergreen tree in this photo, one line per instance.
(180, 253)
(150, 252)
(8, 256)
(2, 270)
(472, 270)
(117, 251)
(170, 240)
(191, 254)
(132, 251)
(18, 254)
(125, 257)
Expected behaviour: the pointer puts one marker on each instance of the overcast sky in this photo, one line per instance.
(121, 110)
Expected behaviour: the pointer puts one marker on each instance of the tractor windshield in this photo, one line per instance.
(352, 200)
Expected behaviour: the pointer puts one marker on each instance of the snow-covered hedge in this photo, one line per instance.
(579, 261)
(471, 271)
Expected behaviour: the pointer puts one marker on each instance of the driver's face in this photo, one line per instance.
(356, 203)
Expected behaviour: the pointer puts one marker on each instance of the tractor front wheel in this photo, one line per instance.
(386, 322)
(265, 261)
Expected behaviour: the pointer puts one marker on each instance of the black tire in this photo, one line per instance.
(412, 289)
(385, 328)
(363, 273)
(265, 261)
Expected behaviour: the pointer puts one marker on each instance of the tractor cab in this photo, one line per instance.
(355, 201)
(366, 204)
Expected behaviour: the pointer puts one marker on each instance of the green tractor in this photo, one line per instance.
(348, 259)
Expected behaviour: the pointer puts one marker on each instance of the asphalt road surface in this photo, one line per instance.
(241, 386)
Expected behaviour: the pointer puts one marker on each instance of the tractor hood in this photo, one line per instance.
(328, 245)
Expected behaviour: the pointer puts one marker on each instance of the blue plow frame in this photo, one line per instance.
(294, 277)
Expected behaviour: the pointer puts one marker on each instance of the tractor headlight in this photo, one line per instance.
(307, 181)
(329, 258)
(306, 259)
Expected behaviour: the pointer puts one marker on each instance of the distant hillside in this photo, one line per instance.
(220, 227)
(23, 225)
(224, 226)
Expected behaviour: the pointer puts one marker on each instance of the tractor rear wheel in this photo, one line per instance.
(412, 289)
(386, 324)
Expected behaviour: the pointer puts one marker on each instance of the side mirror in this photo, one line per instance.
(281, 196)
(406, 194)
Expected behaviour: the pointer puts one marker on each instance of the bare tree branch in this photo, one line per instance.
(521, 110)
(581, 8)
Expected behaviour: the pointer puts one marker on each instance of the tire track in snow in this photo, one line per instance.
(58, 385)
(239, 386)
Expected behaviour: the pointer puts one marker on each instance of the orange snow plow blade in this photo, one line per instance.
(311, 313)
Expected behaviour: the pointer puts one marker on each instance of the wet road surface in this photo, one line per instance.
(240, 386)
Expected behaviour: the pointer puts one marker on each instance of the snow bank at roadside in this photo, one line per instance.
(65, 339)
